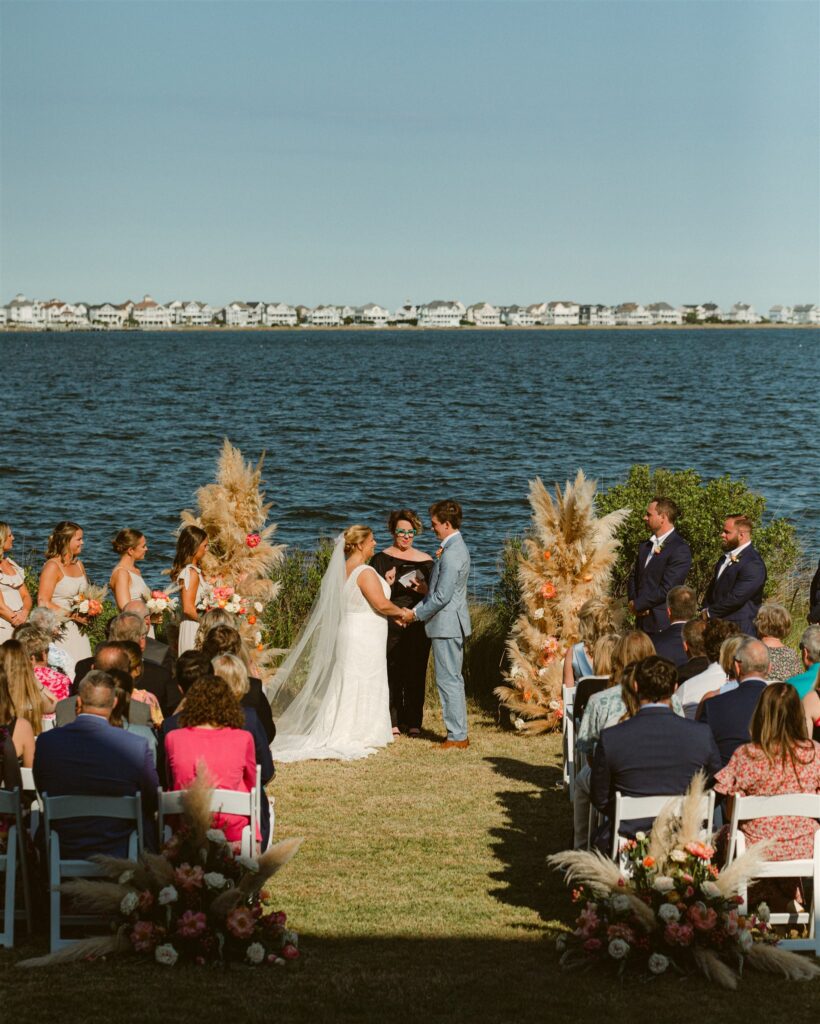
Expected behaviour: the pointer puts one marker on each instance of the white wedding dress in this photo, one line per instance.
(330, 698)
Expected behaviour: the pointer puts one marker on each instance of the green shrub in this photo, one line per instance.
(704, 505)
(300, 575)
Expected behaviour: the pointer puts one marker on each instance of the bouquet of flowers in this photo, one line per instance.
(197, 901)
(220, 596)
(670, 908)
(88, 603)
(159, 603)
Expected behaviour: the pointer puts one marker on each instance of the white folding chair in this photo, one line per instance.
(802, 805)
(568, 731)
(58, 808)
(630, 808)
(223, 801)
(11, 805)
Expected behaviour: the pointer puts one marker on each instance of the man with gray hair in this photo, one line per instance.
(729, 715)
(806, 681)
(89, 757)
(155, 651)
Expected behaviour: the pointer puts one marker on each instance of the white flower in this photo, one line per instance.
(678, 855)
(166, 954)
(83, 607)
(640, 836)
(657, 963)
(519, 724)
(248, 862)
(255, 953)
(167, 895)
(216, 835)
(128, 904)
(618, 949)
(620, 904)
(258, 606)
(257, 637)
(215, 880)
(541, 673)
(538, 613)
(669, 913)
(745, 940)
(516, 672)
(763, 912)
(663, 883)
(125, 877)
(710, 889)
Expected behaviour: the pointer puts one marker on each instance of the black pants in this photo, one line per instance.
(407, 652)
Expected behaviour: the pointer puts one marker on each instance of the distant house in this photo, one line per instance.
(663, 313)
(406, 314)
(781, 315)
(596, 316)
(256, 313)
(279, 314)
(149, 313)
(25, 312)
(109, 315)
(742, 313)
(518, 316)
(57, 313)
(482, 314)
(632, 314)
(372, 314)
(4, 316)
(562, 314)
(236, 314)
(325, 316)
(190, 313)
(807, 314)
(538, 311)
(441, 314)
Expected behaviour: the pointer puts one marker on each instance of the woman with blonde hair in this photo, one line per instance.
(15, 726)
(595, 619)
(192, 544)
(773, 624)
(29, 697)
(61, 580)
(602, 654)
(15, 600)
(210, 620)
(330, 697)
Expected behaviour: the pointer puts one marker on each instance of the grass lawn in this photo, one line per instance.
(420, 893)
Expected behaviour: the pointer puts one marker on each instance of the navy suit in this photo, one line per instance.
(669, 644)
(89, 757)
(738, 594)
(651, 581)
(156, 679)
(729, 716)
(654, 753)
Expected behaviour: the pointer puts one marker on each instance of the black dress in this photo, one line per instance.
(408, 647)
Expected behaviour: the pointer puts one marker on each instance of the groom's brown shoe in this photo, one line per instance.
(455, 745)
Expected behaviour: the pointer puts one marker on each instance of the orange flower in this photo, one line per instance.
(649, 862)
(260, 647)
(251, 620)
(527, 694)
(548, 591)
(547, 556)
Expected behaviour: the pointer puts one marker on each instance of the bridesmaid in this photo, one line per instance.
(126, 580)
(15, 600)
(192, 543)
(62, 578)
(408, 572)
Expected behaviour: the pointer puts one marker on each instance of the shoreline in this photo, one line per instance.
(220, 329)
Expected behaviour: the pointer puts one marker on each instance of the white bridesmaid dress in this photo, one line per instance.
(10, 584)
(76, 645)
(188, 627)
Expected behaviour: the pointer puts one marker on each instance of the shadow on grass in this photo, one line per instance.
(538, 823)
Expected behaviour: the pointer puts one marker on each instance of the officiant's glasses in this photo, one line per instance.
(405, 533)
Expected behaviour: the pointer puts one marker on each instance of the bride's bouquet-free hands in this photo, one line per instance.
(86, 606)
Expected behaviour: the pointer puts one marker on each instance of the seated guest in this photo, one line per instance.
(594, 620)
(773, 624)
(30, 698)
(136, 669)
(226, 640)
(157, 652)
(778, 759)
(89, 758)
(49, 622)
(212, 733)
(602, 654)
(692, 640)
(123, 713)
(729, 715)
(36, 643)
(110, 656)
(806, 681)
(10, 777)
(728, 649)
(19, 730)
(681, 605)
(656, 752)
(691, 692)
(210, 620)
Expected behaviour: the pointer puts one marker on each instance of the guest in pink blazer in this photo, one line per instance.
(212, 732)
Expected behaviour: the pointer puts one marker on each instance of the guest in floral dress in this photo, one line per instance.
(773, 624)
(54, 684)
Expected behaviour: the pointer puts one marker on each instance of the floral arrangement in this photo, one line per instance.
(669, 909)
(566, 560)
(88, 603)
(159, 603)
(197, 901)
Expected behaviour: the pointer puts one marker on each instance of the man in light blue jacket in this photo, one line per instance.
(446, 618)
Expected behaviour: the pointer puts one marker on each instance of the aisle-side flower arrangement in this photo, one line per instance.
(566, 560)
(88, 603)
(670, 909)
(197, 901)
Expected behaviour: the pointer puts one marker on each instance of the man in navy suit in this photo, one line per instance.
(654, 753)
(663, 562)
(729, 715)
(735, 592)
(89, 757)
(681, 606)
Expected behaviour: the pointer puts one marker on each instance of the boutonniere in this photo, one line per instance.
(734, 557)
(657, 547)
(438, 553)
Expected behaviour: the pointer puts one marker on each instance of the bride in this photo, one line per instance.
(329, 697)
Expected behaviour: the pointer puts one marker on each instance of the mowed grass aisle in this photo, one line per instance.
(421, 893)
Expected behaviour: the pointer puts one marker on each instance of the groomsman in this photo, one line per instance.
(446, 618)
(735, 592)
(663, 562)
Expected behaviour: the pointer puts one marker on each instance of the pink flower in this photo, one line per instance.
(689, 892)
(253, 540)
(700, 850)
(621, 931)
(146, 900)
(188, 878)
(679, 934)
(588, 920)
(592, 945)
(241, 922)
(142, 937)
(289, 952)
(190, 925)
(702, 917)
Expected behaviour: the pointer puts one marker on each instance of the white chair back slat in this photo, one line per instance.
(630, 808)
(223, 801)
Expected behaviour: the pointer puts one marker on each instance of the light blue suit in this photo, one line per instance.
(446, 621)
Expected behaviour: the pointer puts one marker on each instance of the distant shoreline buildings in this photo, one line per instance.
(55, 314)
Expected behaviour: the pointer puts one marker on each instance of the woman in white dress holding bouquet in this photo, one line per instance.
(15, 600)
(126, 580)
(61, 581)
(192, 543)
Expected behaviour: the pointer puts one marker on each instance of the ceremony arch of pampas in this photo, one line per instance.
(566, 559)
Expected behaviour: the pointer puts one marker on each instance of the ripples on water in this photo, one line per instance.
(120, 429)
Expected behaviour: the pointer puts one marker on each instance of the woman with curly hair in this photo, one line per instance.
(212, 732)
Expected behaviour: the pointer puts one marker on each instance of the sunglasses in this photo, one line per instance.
(405, 533)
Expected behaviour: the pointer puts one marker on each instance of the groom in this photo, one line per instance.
(447, 620)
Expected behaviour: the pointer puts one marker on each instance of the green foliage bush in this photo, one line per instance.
(300, 575)
(704, 505)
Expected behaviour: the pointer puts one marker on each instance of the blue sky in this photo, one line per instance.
(355, 151)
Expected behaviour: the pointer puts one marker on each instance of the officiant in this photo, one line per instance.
(408, 572)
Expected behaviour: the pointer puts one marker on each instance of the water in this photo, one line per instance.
(119, 429)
